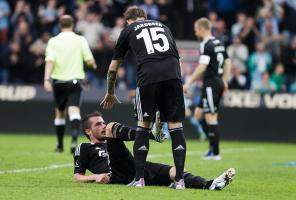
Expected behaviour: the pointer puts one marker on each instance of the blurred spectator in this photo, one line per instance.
(49, 15)
(4, 71)
(165, 12)
(289, 25)
(277, 77)
(119, 26)
(103, 55)
(21, 60)
(272, 40)
(81, 11)
(4, 21)
(271, 9)
(249, 7)
(37, 49)
(213, 17)
(238, 26)
(249, 34)
(226, 9)
(238, 81)
(289, 61)
(265, 85)
(239, 54)
(130, 65)
(259, 62)
(91, 28)
(22, 9)
(107, 13)
(121, 83)
(151, 9)
(221, 32)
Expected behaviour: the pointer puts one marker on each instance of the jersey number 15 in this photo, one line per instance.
(156, 35)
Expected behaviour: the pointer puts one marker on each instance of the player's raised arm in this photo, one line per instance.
(110, 97)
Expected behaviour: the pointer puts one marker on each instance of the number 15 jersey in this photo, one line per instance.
(154, 48)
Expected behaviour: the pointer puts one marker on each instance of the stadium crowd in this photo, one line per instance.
(260, 36)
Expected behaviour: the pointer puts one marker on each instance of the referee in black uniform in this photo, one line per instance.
(159, 87)
(65, 57)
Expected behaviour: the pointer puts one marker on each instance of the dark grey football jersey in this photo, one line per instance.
(154, 48)
(213, 53)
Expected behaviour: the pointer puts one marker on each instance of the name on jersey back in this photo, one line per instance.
(147, 24)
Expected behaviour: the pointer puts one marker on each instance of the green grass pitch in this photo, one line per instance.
(29, 169)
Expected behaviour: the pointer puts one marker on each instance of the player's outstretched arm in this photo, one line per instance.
(98, 178)
(110, 97)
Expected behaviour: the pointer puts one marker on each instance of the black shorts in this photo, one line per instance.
(123, 169)
(67, 93)
(165, 96)
(157, 174)
(211, 94)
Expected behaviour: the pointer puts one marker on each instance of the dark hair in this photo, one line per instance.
(134, 12)
(85, 121)
(66, 21)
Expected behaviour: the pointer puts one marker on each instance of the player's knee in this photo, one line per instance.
(172, 173)
(109, 129)
(60, 113)
(173, 125)
(198, 113)
(211, 118)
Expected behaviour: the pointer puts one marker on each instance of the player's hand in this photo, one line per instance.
(109, 101)
(186, 88)
(95, 66)
(47, 86)
(102, 178)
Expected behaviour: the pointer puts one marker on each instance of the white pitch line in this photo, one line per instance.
(23, 170)
(58, 166)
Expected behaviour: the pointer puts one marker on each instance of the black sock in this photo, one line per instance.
(126, 133)
(75, 125)
(205, 127)
(179, 151)
(141, 148)
(197, 182)
(214, 138)
(60, 131)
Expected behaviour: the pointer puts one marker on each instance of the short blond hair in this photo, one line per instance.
(204, 23)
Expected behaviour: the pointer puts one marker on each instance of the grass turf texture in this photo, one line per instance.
(257, 176)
